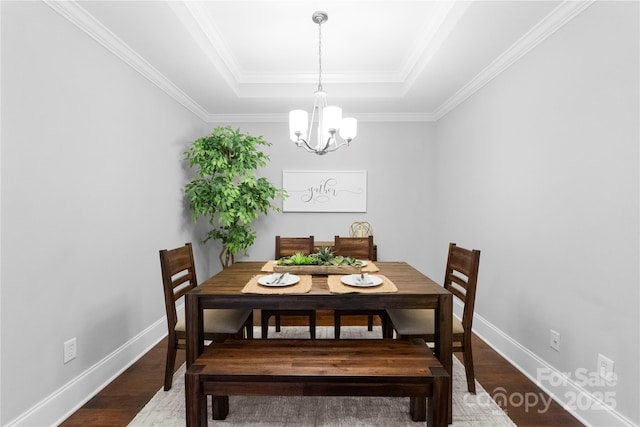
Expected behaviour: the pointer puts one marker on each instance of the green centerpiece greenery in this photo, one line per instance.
(324, 256)
(226, 190)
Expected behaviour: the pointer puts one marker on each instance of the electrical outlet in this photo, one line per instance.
(554, 340)
(69, 350)
(605, 367)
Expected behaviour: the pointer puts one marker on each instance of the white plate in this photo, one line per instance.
(355, 280)
(288, 280)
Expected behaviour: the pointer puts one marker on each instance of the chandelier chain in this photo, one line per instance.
(320, 56)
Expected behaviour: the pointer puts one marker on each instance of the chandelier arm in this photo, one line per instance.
(332, 138)
(305, 144)
(338, 145)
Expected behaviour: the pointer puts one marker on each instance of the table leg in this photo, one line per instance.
(195, 401)
(443, 336)
(194, 329)
(438, 411)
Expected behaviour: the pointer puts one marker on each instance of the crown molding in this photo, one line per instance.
(395, 117)
(447, 17)
(78, 16)
(206, 36)
(555, 20)
(284, 117)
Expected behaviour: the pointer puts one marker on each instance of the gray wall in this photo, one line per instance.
(90, 192)
(539, 170)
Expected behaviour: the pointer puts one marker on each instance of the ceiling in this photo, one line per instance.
(239, 60)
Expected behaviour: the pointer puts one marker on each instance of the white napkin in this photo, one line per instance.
(363, 279)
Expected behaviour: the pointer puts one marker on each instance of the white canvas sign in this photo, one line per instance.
(325, 191)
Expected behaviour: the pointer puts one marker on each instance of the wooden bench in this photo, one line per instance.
(277, 367)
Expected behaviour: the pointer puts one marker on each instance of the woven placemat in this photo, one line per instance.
(370, 268)
(337, 287)
(268, 267)
(253, 287)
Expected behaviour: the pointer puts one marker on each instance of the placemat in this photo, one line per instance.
(337, 287)
(268, 267)
(370, 268)
(302, 287)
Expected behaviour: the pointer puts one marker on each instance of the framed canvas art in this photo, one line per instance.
(325, 191)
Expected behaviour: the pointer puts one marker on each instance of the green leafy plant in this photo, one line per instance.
(301, 259)
(226, 190)
(324, 256)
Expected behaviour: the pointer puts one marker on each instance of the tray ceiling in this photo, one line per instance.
(382, 60)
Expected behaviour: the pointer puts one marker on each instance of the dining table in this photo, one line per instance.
(411, 290)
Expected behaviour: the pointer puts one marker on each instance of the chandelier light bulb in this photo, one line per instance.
(298, 120)
(332, 118)
(348, 128)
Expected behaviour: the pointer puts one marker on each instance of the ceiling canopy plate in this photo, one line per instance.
(320, 17)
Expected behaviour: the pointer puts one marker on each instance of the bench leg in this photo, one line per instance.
(219, 407)
(418, 408)
(195, 401)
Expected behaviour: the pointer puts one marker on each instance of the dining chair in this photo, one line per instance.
(361, 248)
(287, 246)
(178, 278)
(461, 277)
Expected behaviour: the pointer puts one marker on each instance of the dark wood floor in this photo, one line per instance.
(119, 402)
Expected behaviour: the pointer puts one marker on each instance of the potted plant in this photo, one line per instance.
(226, 190)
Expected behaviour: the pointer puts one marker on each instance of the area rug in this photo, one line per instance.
(167, 409)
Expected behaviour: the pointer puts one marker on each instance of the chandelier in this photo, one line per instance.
(330, 123)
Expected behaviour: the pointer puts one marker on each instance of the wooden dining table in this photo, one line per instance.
(414, 291)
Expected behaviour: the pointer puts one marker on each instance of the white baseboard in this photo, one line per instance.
(60, 404)
(585, 406)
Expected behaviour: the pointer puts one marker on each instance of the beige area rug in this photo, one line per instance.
(167, 409)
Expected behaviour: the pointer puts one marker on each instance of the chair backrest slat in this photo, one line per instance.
(458, 293)
(287, 246)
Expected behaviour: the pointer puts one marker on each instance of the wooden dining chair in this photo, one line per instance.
(460, 279)
(287, 246)
(361, 248)
(178, 278)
